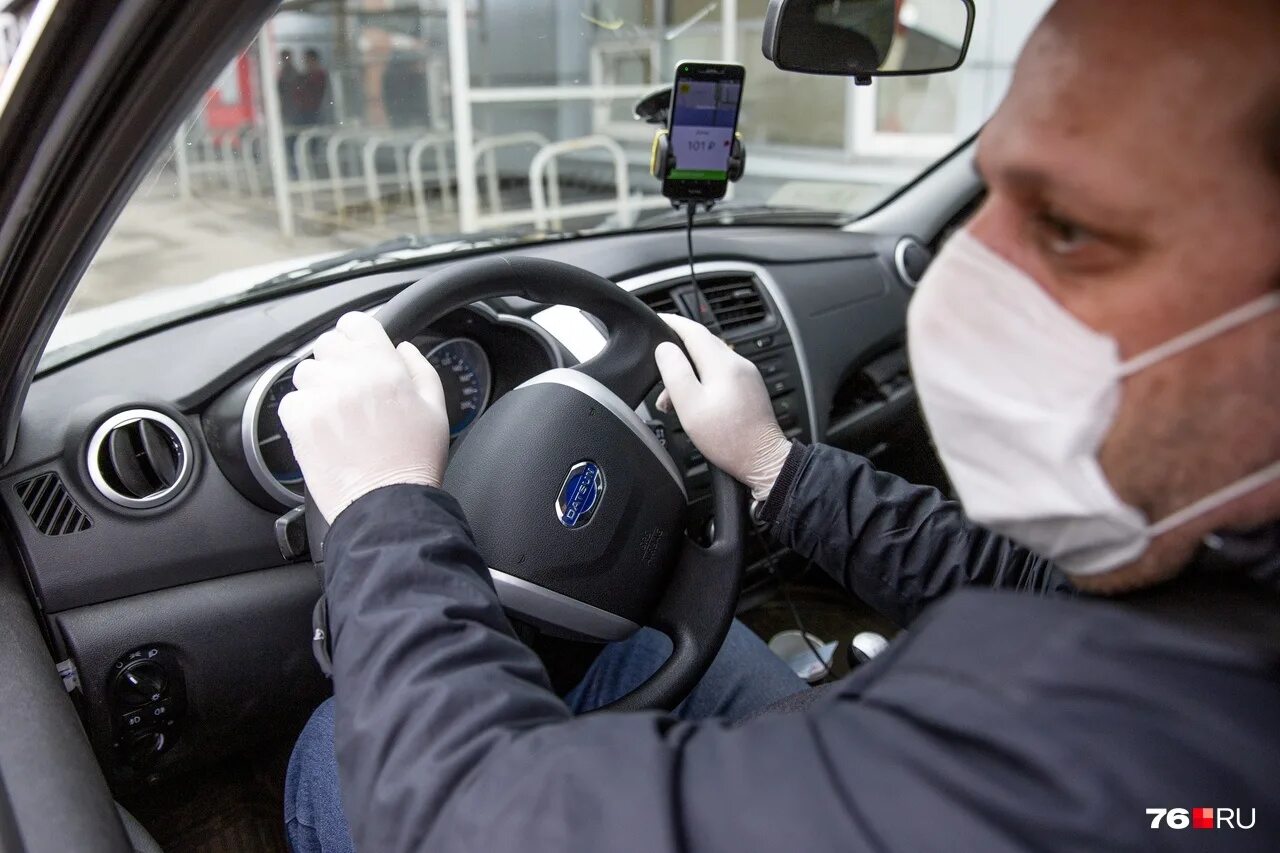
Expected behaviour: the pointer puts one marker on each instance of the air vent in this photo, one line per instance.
(661, 301)
(139, 458)
(911, 259)
(52, 510)
(736, 302)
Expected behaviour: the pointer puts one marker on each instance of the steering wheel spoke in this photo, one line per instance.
(703, 574)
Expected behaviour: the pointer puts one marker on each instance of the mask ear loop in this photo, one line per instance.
(1246, 313)
(1231, 320)
(1217, 499)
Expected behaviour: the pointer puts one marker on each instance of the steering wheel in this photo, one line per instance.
(574, 504)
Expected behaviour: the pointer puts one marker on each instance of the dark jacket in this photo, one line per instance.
(1011, 716)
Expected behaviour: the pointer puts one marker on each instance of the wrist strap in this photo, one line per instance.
(771, 507)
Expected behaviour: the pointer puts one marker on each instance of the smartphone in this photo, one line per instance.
(703, 120)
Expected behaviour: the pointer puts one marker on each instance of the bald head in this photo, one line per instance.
(1134, 173)
(1208, 71)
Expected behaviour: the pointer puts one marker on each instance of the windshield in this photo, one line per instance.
(336, 133)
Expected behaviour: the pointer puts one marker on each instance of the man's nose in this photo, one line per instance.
(999, 224)
(986, 224)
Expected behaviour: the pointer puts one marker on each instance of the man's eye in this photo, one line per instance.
(1061, 236)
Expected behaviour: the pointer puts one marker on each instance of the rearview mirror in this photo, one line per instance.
(868, 38)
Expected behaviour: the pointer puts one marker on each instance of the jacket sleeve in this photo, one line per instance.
(449, 737)
(895, 545)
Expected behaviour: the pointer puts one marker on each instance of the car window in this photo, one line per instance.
(337, 130)
(15, 21)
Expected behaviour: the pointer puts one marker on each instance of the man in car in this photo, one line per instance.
(1095, 354)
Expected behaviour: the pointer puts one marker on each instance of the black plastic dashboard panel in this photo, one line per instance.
(208, 531)
(848, 312)
(212, 530)
(187, 364)
(240, 643)
(516, 350)
(201, 577)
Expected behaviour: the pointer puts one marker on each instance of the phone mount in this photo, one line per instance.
(654, 108)
(662, 159)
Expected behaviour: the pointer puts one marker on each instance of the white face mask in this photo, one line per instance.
(1019, 396)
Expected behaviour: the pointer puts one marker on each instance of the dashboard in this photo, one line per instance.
(464, 367)
(479, 354)
(147, 489)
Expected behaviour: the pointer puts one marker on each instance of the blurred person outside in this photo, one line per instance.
(312, 98)
(404, 91)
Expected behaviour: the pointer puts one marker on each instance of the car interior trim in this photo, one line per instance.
(572, 328)
(550, 608)
(249, 432)
(186, 461)
(548, 341)
(900, 261)
(926, 206)
(594, 389)
(257, 394)
(681, 273)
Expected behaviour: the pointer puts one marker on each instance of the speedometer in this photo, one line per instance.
(464, 372)
(266, 446)
(273, 444)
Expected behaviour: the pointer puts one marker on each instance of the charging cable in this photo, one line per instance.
(692, 208)
(786, 595)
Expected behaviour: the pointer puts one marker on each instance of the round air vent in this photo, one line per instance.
(139, 458)
(911, 258)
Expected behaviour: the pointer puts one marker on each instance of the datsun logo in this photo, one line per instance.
(580, 495)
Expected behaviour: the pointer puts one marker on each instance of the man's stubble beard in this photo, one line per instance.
(1186, 430)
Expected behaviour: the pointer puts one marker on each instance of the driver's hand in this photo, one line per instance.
(727, 412)
(365, 415)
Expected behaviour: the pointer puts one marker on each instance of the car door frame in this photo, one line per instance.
(94, 93)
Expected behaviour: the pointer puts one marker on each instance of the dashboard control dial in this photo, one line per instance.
(142, 681)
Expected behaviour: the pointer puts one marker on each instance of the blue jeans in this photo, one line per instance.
(744, 678)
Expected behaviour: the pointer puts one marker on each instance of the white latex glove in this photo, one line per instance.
(365, 415)
(727, 413)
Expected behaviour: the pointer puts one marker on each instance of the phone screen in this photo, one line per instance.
(704, 118)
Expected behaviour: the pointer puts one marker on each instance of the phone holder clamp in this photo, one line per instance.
(662, 160)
